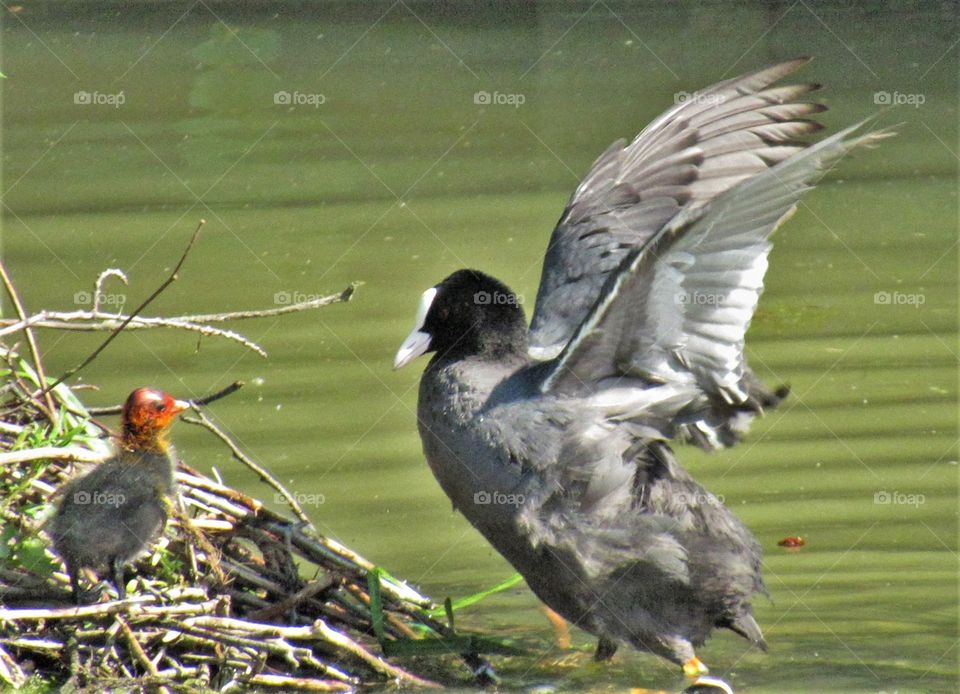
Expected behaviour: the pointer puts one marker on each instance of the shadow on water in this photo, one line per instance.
(339, 142)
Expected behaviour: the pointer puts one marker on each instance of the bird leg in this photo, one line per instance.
(116, 567)
(606, 648)
(75, 585)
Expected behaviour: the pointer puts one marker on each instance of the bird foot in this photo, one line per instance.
(708, 685)
(694, 668)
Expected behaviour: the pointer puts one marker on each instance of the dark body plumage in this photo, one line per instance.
(554, 441)
(603, 523)
(110, 515)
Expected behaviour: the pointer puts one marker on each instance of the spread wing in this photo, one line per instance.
(694, 152)
(676, 310)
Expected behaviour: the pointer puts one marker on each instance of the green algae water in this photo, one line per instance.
(393, 143)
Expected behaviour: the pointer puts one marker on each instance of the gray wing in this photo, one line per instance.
(676, 311)
(689, 155)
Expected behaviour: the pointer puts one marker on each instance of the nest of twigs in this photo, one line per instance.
(233, 595)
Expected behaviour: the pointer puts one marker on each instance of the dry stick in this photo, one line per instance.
(31, 342)
(133, 606)
(166, 283)
(19, 387)
(130, 322)
(10, 672)
(198, 538)
(205, 400)
(290, 602)
(265, 475)
(138, 652)
(92, 321)
(319, 630)
(83, 455)
(298, 683)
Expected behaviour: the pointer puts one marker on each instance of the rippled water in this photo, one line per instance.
(383, 169)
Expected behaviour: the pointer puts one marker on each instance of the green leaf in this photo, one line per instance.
(33, 557)
(7, 533)
(448, 608)
(460, 603)
(376, 606)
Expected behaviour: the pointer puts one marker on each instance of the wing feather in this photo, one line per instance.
(677, 309)
(695, 151)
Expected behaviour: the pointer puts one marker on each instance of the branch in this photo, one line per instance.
(205, 400)
(264, 474)
(92, 321)
(135, 607)
(32, 343)
(146, 302)
(82, 455)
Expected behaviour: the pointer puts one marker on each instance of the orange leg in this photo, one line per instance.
(560, 630)
(694, 668)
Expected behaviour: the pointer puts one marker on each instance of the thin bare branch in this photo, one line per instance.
(31, 343)
(76, 453)
(205, 400)
(146, 302)
(264, 474)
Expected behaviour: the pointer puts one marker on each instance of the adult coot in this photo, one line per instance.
(553, 441)
(111, 514)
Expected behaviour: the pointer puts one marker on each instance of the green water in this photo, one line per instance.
(398, 178)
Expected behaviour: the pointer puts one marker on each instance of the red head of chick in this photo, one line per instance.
(112, 513)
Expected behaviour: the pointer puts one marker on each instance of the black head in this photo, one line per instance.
(467, 314)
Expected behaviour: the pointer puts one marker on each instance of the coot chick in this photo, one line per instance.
(110, 515)
(553, 441)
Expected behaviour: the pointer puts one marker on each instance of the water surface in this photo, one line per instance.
(399, 177)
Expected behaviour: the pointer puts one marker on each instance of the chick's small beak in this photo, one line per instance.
(180, 406)
(416, 344)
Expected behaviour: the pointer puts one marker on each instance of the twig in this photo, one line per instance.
(135, 607)
(138, 653)
(131, 322)
(10, 672)
(205, 400)
(98, 285)
(305, 684)
(32, 344)
(146, 302)
(83, 455)
(289, 603)
(73, 320)
(264, 474)
(319, 302)
(318, 630)
(213, 560)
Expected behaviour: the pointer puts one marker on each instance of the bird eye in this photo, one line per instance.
(159, 406)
